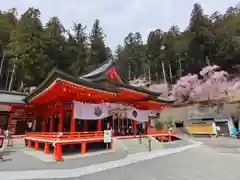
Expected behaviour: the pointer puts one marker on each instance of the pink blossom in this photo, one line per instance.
(210, 85)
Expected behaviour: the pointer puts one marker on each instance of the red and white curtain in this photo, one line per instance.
(88, 111)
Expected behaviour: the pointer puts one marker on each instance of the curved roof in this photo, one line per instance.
(56, 74)
(105, 78)
(10, 97)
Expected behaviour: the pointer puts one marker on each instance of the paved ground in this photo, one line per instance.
(194, 164)
(208, 162)
(14, 158)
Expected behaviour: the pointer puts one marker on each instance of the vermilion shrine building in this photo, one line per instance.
(68, 104)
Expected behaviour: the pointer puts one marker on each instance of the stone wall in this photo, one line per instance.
(184, 112)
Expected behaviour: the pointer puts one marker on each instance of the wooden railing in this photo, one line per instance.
(152, 131)
(64, 135)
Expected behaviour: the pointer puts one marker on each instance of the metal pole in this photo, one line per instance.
(140, 138)
(149, 145)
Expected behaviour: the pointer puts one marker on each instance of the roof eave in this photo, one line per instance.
(58, 74)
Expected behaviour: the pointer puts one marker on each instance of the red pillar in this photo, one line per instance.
(83, 147)
(46, 148)
(73, 121)
(60, 125)
(99, 125)
(57, 153)
(44, 123)
(36, 145)
(134, 126)
(10, 118)
(85, 125)
(51, 122)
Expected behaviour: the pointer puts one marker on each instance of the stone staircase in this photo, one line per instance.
(132, 146)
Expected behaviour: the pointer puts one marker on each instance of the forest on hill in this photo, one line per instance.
(30, 49)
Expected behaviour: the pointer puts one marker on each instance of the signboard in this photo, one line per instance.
(107, 136)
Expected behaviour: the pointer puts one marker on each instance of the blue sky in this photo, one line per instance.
(118, 18)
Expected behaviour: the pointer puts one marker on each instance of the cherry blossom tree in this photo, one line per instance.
(210, 85)
(184, 87)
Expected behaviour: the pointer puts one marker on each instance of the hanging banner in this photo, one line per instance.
(138, 115)
(87, 111)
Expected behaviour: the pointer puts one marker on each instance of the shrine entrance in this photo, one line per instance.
(121, 124)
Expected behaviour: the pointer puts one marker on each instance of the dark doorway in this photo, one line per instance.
(179, 124)
(92, 125)
(67, 121)
(48, 124)
(55, 122)
(20, 127)
(224, 129)
(79, 125)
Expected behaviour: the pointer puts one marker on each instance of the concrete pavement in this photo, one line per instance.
(96, 168)
(176, 161)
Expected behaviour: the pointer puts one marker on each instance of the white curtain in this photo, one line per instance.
(138, 114)
(87, 111)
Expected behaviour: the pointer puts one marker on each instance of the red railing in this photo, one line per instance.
(152, 131)
(65, 135)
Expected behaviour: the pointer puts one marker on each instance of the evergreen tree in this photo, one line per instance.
(98, 50)
(77, 50)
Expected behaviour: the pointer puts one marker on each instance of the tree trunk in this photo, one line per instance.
(149, 73)
(164, 73)
(1, 67)
(6, 83)
(180, 67)
(12, 76)
(208, 61)
(170, 73)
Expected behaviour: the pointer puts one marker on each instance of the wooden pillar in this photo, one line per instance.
(99, 125)
(36, 145)
(51, 122)
(60, 124)
(83, 147)
(29, 143)
(110, 145)
(10, 118)
(51, 125)
(57, 153)
(85, 125)
(134, 126)
(73, 121)
(46, 148)
(44, 124)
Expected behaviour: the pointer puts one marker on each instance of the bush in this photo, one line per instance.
(159, 125)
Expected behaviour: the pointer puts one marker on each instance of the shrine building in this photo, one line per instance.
(65, 109)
